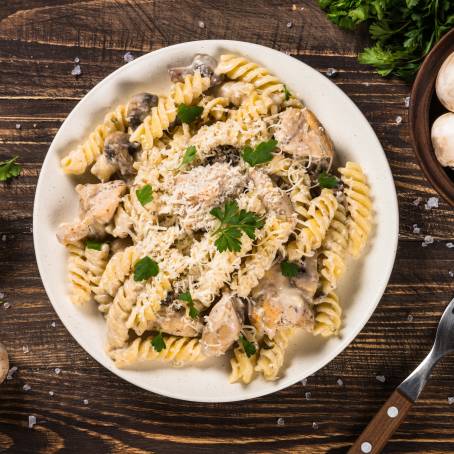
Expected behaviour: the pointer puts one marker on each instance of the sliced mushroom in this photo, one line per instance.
(205, 64)
(116, 157)
(224, 154)
(223, 325)
(139, 106)
(173, 319)
(4, 363)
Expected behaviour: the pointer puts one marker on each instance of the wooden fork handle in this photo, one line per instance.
(385, 422)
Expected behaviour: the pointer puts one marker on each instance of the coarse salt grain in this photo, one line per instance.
(53, 324)
(432, 202)
(31, 421)
(417, 201)
(35, 125)
(76, 71)
(331, 72)
(289, 24)
(18, 126)
(25, 348)
(381, 378)
(308, 395)
(398, 120)
(280, 421)
(128, 57)
(407, 101)
(340, 382)
(2, 295)
(416, 229)
(57, 370)
(85, 401)
(51, 393)
(448, 245)
(304, 381)
(410, 317)
(294, 7)
(3, 237)
(451, 274)
(314, 425)
(11, 373)
(26, 387)
(76, 60)
(451, 400)
(201, 24)
(6, 305)
(428, 239)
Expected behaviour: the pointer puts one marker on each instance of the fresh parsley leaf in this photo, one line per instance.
(289, 269)
(186, 296)
(145, 268)
(189, 155)
(287, 94)
(145, 194)
(187, 114)
(327, 181)
(158, 342)
(262, 153)
(93, 244)
(9, 169)
(233, 222)
(249, 347)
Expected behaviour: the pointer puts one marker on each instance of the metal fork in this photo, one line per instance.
(388, 419)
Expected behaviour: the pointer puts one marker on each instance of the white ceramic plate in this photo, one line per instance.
(363, 284)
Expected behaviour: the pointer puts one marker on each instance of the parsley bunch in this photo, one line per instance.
(233, 221)
(403, 31)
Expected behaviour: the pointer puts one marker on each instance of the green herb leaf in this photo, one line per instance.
(262, 153)
(187, 114)
(327, 181)
(145, 268)
(9, 169)
(289, 269)
(158, 343)
(287, 94)
(93, 244)
(189, 155)
(145, 194)
(233, 222)
(186, 296)
(249, 347)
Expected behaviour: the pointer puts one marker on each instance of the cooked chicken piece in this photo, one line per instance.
(273, 197)
(236, 92)
(202, 189)
(139, 106)
(277, 303)
(203, 63)
(223, 325)
(115, 157)
(300, 134)
(98, 203)
(307, 279)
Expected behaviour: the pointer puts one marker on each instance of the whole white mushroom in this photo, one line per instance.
(443, 139)
(4, 362)
(444, 85)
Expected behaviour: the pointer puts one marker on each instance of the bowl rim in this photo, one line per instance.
(421, 97)
(285, 382)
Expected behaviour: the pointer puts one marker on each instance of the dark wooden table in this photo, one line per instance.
(39, 40)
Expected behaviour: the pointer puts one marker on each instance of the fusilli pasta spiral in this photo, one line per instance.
(79, 278)
(243, 367)
(328, 314)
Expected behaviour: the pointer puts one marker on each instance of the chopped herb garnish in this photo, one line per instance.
(189, 155)
(158, 342)
(93, 244)
(287, 94)
(326, 180)
(145, 268)
(233, 221)
(145, 194)
(9, 169)
(249, 347)
(262, 153)
(186, 296)
(187, 114)
(289, 269)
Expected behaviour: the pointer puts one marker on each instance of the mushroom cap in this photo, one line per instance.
(4, 363)
(444, 85)
(443, 139)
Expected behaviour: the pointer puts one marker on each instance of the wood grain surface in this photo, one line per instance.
(39, 40)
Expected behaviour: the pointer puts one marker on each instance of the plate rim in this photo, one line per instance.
(286, 381)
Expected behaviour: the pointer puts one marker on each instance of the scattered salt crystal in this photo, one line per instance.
(417, 201)
(450, 400)
(3, 237)
(428, 239)
(340, 382)
(51, 393)
(407, 101)
(289, 24)
(331, 72)
(85, 401)
(432, 202)
(2, 295)
(57, 370)
(416, 229)
(280, 421)
(128, 57)
(6, 305)
(398, 120)
(314, 425)
(76, 71)
(18, 126)
(25, 348)
(304, 381)
(410, 317)
(448, 245)
(308, 395)
(76, 60)
(293, 7)
(201, 24)
(31, 421)
(366, 84)
(53, 324)
(381, 378)
(11, 373)
(35, 125)
(26, 387)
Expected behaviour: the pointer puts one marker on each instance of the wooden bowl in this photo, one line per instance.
(425, 108)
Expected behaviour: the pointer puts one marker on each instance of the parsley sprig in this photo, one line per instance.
(145, 194)
(188, 114)
(189, 155)
(93, 244)
(325, 180)
(289, 269)
(186, 296)
(145, 268)
(249, 347)
(9, 169)
(158, 342)
(262, 153)
(233, 222)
